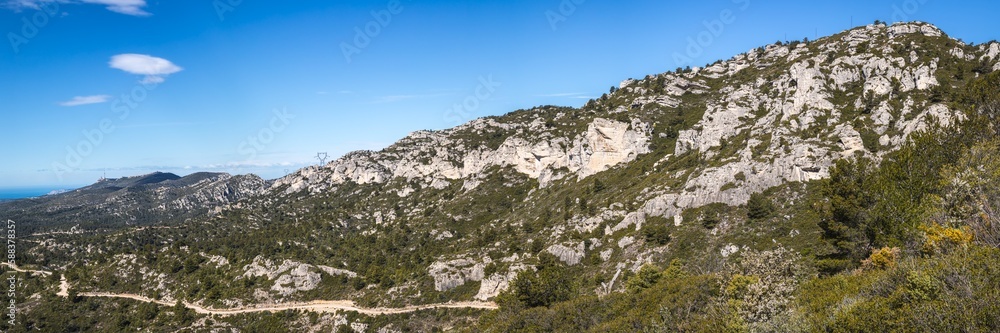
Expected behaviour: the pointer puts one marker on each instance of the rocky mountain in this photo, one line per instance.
(777, 114)
(699, 166)
(791, 110)
(156, 198)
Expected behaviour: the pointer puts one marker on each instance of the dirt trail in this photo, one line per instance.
(63, 286)
(316, 306)
(14, 267)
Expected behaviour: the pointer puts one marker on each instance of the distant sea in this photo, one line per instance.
(13, 193)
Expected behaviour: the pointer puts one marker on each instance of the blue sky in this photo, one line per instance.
(135, 86)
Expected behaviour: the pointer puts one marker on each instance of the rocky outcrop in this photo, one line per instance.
(220, 190)
(290, 276)
(453, 273)
(571, 255)
(788, 155)
(435, 157)
(492, 286)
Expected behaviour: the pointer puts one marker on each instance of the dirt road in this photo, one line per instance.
(14, 267)
(316, 306)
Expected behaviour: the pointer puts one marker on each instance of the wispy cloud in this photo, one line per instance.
(127, 7)
(208, 167)
(250, 164)
(84, 100)
(397, 98)
(170, 124)
(561, 95)
(154, 68)
(569, 95)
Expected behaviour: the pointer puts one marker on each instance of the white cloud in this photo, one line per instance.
(84, 100)
(18, 5)
(251, 164)
(153, 68)
(561, 95)
(127, 7)
(397, 98)
(567, 95)
(152, 80)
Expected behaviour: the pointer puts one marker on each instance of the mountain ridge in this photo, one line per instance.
(696, 168)
(810, 101)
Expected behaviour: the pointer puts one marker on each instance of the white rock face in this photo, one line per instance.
(290, 276)
(218, 261)
(728, 250)
(569, 255)
(337, 271)
(634, 218)
(433, 160)
(626, 241)
(299, 278)
(790, 156)
(990, 51)
(611, 143)
(912, 28)
(453, 273)
(496, 283)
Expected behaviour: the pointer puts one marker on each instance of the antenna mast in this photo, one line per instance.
(322, 158)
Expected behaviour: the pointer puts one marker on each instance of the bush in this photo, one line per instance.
(971, 196)
(543, 288)
(884, 258)
(762, 284)
(941, 239)
(759, 207)
(656, 233)
(646, 277)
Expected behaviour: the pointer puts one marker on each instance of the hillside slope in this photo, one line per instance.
(700, 165)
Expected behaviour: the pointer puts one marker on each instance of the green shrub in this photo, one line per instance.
(646, 277)
(759, 207)
(656, 233)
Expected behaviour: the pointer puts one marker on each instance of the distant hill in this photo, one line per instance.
(139, 200)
